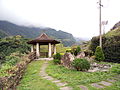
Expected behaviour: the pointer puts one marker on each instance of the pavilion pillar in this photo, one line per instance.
(49, 50)
(54, 48)
(32, 48)
(37, 50)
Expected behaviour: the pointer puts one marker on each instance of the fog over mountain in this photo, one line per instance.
(10, 29)
(79, 17)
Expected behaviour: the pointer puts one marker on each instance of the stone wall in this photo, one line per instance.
(15, 74)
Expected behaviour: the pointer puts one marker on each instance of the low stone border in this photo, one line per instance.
(15, 74)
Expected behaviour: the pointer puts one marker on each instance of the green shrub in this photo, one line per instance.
(78, 49)
(9, 63)
(2, 58)
(81, 64)
(56, 61)
(12, 60)
(4, 68)
(88, 52)
(57, 56)
(99, 55)
(13, 44)
(75, 51)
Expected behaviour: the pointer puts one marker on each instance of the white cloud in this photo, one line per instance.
(79, 17)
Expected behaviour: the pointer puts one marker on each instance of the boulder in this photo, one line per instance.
(81, 55)
(67, 59)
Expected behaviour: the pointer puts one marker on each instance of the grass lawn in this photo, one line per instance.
(33, 81)
(75, 78)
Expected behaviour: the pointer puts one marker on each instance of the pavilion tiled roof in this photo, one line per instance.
(43, 39)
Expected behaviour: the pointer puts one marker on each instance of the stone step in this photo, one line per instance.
(66, 88)
(111, 80)
(56, 81)
(83, 87)
(105, 83)
(61, 84)
(48, 78)
(97, 85)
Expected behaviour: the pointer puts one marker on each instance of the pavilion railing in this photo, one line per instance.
(44, 54)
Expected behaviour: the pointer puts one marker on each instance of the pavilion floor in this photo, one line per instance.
(48, 59)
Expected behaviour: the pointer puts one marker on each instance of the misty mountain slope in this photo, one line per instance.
(3, 34)
(10, 29)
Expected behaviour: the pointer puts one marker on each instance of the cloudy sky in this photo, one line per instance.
(79, 17)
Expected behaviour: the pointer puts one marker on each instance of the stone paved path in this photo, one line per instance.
(60, 84)
(102, 84)
(105, 83)
(111, 80)
(83, 87)
(97, 85)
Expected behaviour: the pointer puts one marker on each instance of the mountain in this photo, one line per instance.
(10, 29)
(79, 40)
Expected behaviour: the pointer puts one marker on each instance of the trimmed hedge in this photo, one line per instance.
(111, 47)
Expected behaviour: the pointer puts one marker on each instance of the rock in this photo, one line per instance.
(105, 83)
(56, 81)
(66, 88)
(83, 87)
(81, 55)
(97, 85)
(94, 70)
(61, 84)
(111, 80)
(95, 64)
(67, 59)
(99, 67)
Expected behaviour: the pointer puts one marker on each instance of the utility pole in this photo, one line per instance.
(100, 31)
